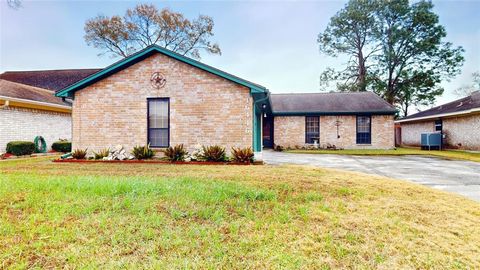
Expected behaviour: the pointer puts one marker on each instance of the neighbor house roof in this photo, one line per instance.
(22, 95)
(150, 50)
(48, 79)
(330, 103)
(461, 106)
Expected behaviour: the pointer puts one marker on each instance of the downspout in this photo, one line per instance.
(4, 106)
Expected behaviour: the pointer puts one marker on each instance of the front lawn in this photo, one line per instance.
(67, 215)
(448, 154)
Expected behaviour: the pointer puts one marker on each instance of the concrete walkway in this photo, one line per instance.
(462, 177)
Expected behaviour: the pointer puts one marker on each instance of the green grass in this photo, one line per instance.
(114, 216)
(448, 154)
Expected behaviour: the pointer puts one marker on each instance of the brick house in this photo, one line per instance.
(162, 98)
(458, 120)
(27, 112)
(344, 120)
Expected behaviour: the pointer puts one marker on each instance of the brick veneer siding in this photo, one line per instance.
(289, 131)
(411, 132)
(461, 132)
(204, 108)
(25, 124)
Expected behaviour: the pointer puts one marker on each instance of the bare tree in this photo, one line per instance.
(15, 4)
(466, 90)
(145, 25)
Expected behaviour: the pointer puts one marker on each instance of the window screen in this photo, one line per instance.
(312, 129)
(158, 122)
(364, 135)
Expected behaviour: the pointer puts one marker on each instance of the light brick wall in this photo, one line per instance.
(19, 124)
(290, 131)
(461, 132)
(411, 132)
(204, 108)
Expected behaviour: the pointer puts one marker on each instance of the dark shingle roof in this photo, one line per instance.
(48, 79)
(330, 103)
(459, 105)
(27, 92)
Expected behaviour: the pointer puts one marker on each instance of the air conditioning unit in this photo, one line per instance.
(431, 141)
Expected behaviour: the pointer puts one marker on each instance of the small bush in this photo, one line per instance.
(143, 152)
(176, 153)
(243, 155)
(20, 148)
(278, 148)
(213, 153)
(62, 146)
(102, 153)
(79, 153)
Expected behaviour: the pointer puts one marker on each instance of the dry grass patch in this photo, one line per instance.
(167, 216)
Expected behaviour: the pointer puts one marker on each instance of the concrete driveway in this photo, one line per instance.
(462, 177)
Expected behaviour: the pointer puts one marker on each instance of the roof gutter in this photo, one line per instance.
(4, 106)
(10, 100)
(475, 110)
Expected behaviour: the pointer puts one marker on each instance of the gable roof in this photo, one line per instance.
(18, 91)
(460, 106)
(53, 80)
(330, 103)
(139, 56)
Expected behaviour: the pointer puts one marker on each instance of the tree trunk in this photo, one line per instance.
(362, 72)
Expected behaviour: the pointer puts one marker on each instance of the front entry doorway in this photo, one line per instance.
(268, 132)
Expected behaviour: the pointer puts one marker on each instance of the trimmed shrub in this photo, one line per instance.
(20, 148)
(62, 146)
(102, 153)
(242, 155)
(214, 153)
(79, 153)
(176, 153)
(143, 152)
(278, 148)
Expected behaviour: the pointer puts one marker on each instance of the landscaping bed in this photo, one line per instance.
(153, 161)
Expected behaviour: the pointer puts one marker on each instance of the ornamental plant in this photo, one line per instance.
(176, 153)
(214, 153)
(20, 148)
(143, 152)
(79, 153)
(62, 146)
(242, 155)
(102, 153)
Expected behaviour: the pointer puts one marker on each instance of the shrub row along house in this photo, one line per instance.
(161, 98)
(458, 120)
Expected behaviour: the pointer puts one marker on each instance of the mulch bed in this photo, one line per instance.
(153, 162)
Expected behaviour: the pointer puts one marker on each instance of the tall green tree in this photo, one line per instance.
(414, 59)
(350, 32)
(408, 57)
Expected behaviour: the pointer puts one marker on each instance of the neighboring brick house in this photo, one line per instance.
(27, 112)
(340, 120)
(458, 120)
(162, 98)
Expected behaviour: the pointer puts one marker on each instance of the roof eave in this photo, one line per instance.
(434, 116)
(314, 113)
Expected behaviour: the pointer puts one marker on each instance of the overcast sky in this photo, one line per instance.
(271, 43)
